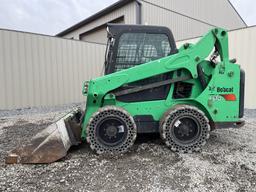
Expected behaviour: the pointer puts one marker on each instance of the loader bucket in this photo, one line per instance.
(52, 143)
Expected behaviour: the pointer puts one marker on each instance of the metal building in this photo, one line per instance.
(185, 18)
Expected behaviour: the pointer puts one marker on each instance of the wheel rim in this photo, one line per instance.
(111, 131)
(186, 129)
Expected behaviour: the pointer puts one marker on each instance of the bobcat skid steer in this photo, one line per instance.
(149, 86)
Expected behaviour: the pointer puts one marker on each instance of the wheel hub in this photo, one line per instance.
(111, 131)
(186, 129)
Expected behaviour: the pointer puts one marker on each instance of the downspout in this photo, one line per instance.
(138, 12)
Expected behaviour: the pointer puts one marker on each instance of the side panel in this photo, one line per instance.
(221, 96)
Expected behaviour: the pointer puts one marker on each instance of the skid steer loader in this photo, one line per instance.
(149, 86)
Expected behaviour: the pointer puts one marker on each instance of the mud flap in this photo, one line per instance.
(52, 143)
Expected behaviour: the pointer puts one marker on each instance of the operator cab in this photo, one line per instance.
(131, 45)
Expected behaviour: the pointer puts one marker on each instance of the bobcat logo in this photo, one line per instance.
(225, 89)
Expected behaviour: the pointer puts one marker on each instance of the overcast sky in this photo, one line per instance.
(53, 16)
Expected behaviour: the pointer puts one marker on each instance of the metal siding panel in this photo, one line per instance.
(75, 64)
(80, 65)
(67, 70)
(87, 65)
(182, 27)
(14, 71)
(8, 69)
(2, 73)
(70, 75)
(60, 74)
(219, 12)
(80, 69)
(90, 67)
(33, 70)
(75, 68)
(25, 72)
(242, 48)
(46, 75)
(43, 72)
(39, 70)
(49, 71)
(54, 70)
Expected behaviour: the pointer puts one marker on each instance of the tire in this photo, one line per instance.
(184, 129)
(111, 130)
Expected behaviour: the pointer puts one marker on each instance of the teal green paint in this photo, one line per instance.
(187, 59)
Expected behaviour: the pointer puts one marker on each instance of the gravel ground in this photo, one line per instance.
(227, 162)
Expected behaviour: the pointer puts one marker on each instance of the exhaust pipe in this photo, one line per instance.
(52, 143)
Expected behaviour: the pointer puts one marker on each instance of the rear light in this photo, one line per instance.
(229, 97)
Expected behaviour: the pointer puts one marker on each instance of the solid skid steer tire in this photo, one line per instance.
(184, 129)
(111, 130)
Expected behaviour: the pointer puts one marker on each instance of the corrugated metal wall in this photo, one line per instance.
(191, 18)
(37, 70)
(242, 47)
(181, 27)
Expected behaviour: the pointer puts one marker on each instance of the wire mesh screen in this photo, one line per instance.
(138, 48)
